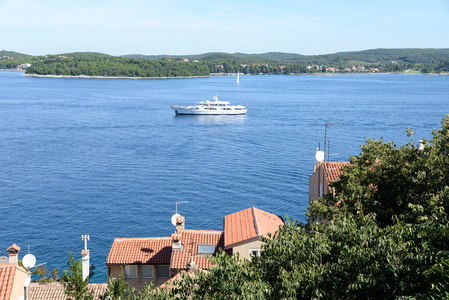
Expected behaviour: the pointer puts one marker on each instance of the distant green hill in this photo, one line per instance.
(373, 60)
(272, 55)
(421, 56)
(12, 54)
(86, 55)
(407, 55)
(219, 55)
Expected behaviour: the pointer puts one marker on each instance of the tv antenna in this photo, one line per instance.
(327, 124)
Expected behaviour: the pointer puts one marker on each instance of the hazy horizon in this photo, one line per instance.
(173, 26)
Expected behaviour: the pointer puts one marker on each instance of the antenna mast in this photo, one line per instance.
(327, 124)
(176, 205)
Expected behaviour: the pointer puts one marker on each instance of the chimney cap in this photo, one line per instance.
(176, 237)
(14, 249)
(180, 220)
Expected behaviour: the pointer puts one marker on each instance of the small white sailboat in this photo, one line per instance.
(238, 76)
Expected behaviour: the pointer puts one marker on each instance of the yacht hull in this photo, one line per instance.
(179, 110)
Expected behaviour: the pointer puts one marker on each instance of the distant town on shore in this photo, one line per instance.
(86, 64)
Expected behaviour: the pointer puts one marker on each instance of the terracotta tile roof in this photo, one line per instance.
(7, 273)
(333, 170)
(55, 291)
(190, 239)
(152, 250)
(249, 224)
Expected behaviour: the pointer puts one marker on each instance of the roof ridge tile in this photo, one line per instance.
(255, 220)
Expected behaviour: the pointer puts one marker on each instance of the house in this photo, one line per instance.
(14, 279)
(243, 230)
(323, 174)
(196, 247)
(142, 260)
(158, 259)
(55, 291)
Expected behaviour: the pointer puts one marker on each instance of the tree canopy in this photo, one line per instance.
(406, 182)
(75, 287)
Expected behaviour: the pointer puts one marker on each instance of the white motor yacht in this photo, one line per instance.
(207, 107)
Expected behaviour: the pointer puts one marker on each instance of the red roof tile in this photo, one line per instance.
(7, 273)
(190, 240)
(153, 250)
(55, 291)
(333, 170)
(249, 224)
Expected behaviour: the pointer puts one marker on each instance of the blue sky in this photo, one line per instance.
(174, 27)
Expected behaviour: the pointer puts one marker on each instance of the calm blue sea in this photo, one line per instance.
(109, 158)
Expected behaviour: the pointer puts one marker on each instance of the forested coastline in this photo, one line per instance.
(117, 67)
(426, 61)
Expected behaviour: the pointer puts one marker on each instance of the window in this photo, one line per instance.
(146, 271)
(163, 271)
(254, 252)
(206, 249)
(130, 271)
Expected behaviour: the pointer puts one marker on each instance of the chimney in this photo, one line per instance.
(421, 145)
(13, 254)
(180, 223)
(176, 241)
(85, 258)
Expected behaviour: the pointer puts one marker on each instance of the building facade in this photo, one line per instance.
(323, 174)
(158, 259)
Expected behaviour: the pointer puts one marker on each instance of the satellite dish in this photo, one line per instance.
(173, 219)
(29, 261)
(319, 156)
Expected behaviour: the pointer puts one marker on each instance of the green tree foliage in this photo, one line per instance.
(442, 66)
(351, 258)
(116, 67)
(74, 286)
(45, 275)
(230, 278)
(116, 288)
(392, 181)
(440, 287)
